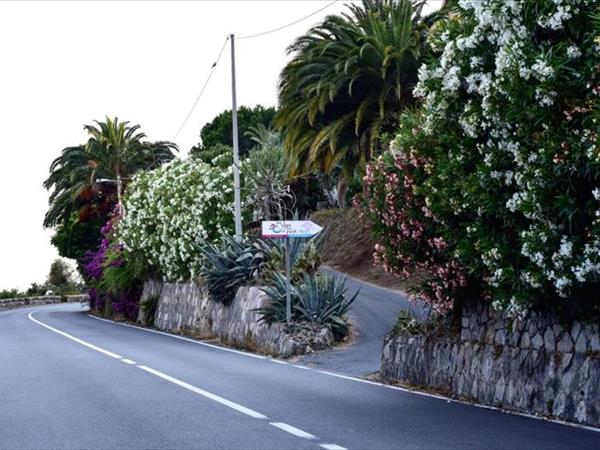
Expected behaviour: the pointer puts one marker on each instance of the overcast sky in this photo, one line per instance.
(64, 64)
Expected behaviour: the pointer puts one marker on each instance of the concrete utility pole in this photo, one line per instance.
(236, 156)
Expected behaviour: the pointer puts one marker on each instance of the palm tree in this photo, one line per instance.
(81, 177)
(347, 81)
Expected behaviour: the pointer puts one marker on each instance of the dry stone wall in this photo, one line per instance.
(22, 302)
(187, 308)
(536, 365)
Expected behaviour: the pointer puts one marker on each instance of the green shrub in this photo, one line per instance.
(173, 210)
(318, 298)
(10, 293)
(149, 307)
(492, 188)
(407, 324)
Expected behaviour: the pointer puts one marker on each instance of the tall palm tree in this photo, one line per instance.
(114, 151)
(346, 83)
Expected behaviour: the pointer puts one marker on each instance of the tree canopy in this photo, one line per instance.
(81, 181)
(219, 130)
(348, 79)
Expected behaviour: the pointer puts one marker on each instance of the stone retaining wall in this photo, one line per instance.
(187, 308)
(535, 365)
(11, 303)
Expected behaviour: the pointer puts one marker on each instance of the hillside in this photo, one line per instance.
(348, 247)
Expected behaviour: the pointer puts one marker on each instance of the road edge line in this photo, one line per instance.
(361, 380)
(73, 338)
(182, 338)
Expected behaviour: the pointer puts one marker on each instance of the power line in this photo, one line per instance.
(250, 36)
(210, 74)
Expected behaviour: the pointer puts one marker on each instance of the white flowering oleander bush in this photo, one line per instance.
(173, 210)
(511, 161)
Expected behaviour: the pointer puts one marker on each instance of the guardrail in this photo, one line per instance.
(21, 302)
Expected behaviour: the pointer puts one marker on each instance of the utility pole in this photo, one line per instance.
(236, 156)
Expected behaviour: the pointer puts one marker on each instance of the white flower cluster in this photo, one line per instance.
(480, 68)
(563, 11)
(172, 210)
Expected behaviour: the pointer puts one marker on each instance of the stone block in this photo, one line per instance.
(595, 343)
(581, 343)
(525, 340)
(565, 344)
(537, 342)
(575, 330)
(549, 342)
(539, 366)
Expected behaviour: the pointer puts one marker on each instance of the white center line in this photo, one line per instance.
(128, 361)
(293, 430)
(73, 338)
(202, 392)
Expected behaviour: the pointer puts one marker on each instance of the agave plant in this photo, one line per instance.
(305, 257)
(323, 300)
(231, 264)
(275, 311)
(320, 299)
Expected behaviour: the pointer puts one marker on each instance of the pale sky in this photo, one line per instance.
(64, 64)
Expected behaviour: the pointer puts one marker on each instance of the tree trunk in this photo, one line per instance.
(342, 190)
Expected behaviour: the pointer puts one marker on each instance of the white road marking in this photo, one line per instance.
(332, 447)
(360, 380)
(181, 338)
(293, 430)
(202, 392)
(73, 338)
(460, 402)
(279, 362)
(216, 398)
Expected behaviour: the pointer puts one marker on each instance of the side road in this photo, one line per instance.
(373, 315)
(94, 384)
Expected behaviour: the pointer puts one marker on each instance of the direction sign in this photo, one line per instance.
(289, 229)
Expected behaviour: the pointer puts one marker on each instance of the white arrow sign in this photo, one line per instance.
(289, 229)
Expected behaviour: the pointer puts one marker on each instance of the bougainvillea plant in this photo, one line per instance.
(114, 276)
(509, 133)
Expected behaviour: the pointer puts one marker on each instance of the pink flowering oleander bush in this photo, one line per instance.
(411, 244)
(502, 161)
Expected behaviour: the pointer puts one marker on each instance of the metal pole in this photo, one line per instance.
(236, 157)
(288, 275)
(119, 199)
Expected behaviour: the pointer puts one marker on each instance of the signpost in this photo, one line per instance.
(289, 229)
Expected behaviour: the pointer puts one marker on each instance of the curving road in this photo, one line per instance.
(71, 381)
(373, 315)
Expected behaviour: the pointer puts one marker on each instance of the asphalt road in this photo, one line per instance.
(71, 381)
(373, 315)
